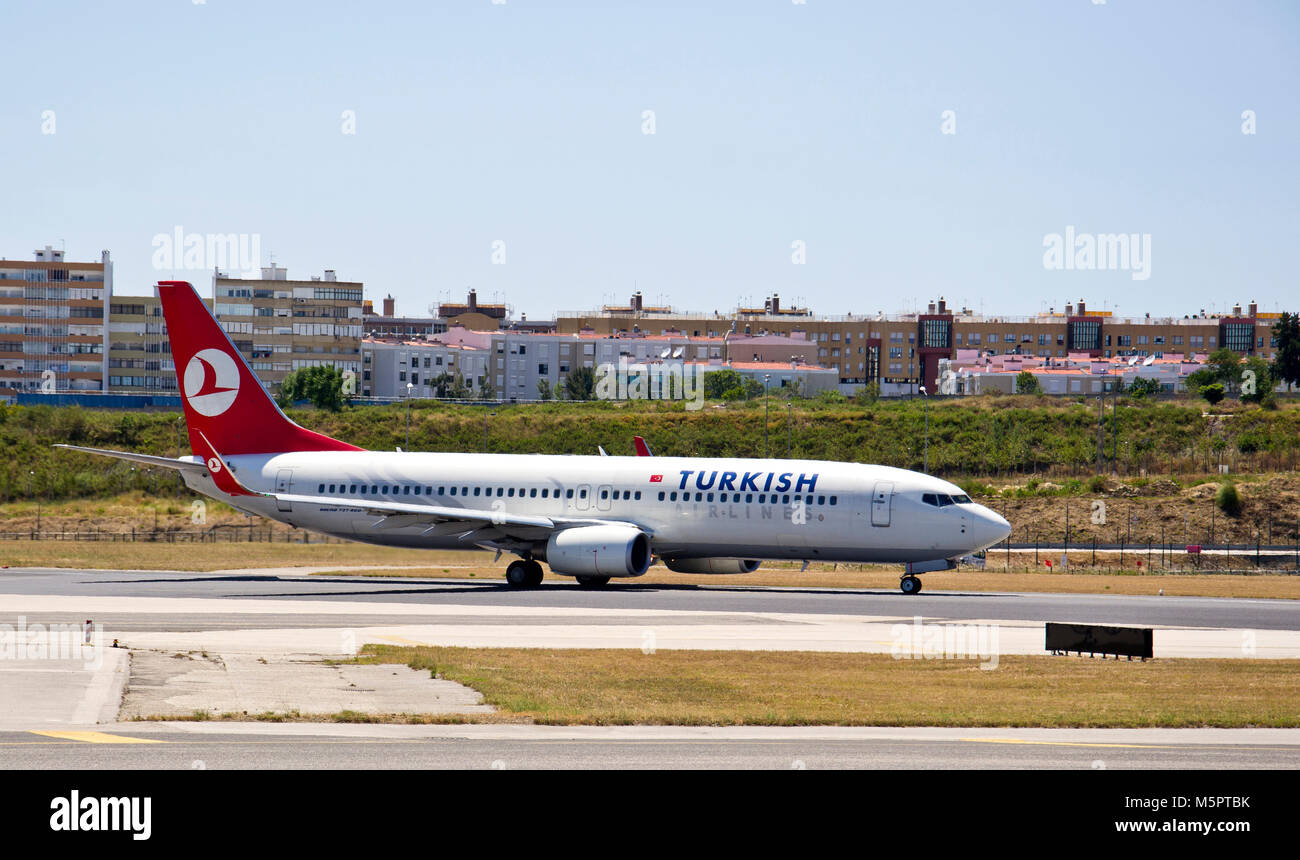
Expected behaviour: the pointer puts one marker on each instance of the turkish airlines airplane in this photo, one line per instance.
(590, 517)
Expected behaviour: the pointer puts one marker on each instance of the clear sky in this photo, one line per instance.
(774, 122)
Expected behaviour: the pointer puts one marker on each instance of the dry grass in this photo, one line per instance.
(625, 687)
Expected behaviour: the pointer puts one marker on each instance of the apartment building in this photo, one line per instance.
(903, 351)
(52, 332)
(281, 325)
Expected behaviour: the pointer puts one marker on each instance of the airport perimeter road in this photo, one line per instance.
(712, 595)
(275, 746)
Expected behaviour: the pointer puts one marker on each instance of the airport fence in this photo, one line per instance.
(233, 533)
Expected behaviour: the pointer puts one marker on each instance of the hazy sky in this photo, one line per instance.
(774, 122)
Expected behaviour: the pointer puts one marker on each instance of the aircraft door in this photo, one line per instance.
(882, 501)
(283, 485)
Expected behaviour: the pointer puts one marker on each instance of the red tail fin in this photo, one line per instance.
(226, 406)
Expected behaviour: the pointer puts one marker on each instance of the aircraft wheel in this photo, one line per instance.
(593, 581)
(910, 585)
(534, 573)
(517, 574)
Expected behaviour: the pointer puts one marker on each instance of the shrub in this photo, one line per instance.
(1227, 498)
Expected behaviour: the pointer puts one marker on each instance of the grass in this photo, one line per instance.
(969, 438)
(627, 687)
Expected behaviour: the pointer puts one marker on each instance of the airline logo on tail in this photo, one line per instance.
(211, 382)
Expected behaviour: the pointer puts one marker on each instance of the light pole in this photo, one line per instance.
(925, 395)
(789, 434)
(410, 386)
(766, 377)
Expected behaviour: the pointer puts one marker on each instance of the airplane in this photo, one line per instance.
(594, 518)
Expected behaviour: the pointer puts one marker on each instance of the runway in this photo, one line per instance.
(717, 595)
(248, 641)
(484, 747)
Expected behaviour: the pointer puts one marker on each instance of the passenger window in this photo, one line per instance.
(582, 494)
(661, 495)
(832, 500)
(532, 494)
(322, 489)
(638, 495)
(710, 497)
(477, 490)
(821, 500)
(604, 494)
(464, 491)
(406, 491)
(385, 490)
(699, 497)
(353, 489)
(442, 491)
(568, 494)
(672, 497)
(511, 492)
(785, 500)
(749, 498)
(453, 491)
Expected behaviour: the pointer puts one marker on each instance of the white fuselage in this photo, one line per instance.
(698, 507)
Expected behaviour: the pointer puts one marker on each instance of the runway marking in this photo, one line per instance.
(98, 738)
(402, 639)
(1064, 743)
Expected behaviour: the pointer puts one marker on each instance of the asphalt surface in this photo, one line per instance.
(780, 749)
(558, 595)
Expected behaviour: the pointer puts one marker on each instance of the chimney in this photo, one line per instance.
(1254, 309)
(943, 306)
(471, 302)
(1083, 309)
(389, 306)
(1069, 309)
(776, 303)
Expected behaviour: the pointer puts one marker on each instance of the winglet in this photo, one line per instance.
(642, 449)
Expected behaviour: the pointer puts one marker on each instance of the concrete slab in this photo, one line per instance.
(180, 684)
(42, 693)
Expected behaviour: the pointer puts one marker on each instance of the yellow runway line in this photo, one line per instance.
(98, 738)
(1060, 743)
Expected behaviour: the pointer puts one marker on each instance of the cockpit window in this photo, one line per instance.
(930, 499)
(962, 499)
(944, 500)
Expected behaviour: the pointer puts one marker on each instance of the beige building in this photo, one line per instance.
(52, 333)
(903, 351)
(281, 325)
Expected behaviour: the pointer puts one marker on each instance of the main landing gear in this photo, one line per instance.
(910, 584)
(524, 573)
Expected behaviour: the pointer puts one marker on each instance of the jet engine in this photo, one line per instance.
(599, 551)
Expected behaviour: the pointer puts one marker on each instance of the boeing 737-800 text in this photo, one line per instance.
(590, 517)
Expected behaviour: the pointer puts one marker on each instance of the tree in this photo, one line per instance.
(441, 384)
(1226, 365)
(580, 384)
(1261, 380)
(1213, 392)
(1027, 383)
(730, 384)
(486, 390)
(1198, 379)
(1286, 361)
(1143, 386)
(543, 390)
(321, 385)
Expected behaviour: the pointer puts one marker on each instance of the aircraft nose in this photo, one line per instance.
(991, 528)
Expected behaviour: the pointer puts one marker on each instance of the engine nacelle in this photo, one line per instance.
(599, 551)
(712, 565)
